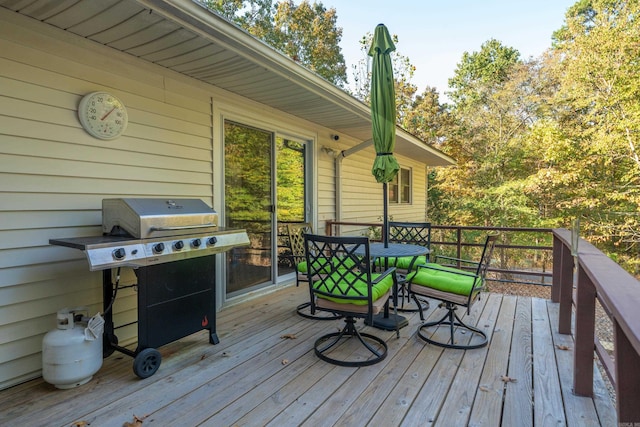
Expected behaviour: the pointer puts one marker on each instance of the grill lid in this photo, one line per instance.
(147, 218)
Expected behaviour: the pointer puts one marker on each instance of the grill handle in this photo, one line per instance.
(181, 227)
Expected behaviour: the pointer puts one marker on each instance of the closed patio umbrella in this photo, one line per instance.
(383, 116)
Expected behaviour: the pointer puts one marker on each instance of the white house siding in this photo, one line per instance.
(361, 195)
(53, 175)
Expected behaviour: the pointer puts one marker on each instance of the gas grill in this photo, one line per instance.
(171, 245)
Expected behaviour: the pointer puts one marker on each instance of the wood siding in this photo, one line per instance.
(53, 175)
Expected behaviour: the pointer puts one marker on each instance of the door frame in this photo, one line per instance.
(279, 129)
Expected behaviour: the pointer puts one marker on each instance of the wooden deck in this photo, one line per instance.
(258, 375)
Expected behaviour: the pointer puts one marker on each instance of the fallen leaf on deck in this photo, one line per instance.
(483, 388)
(288, 336)
(507, 379)
(226, 354)
(562, 347)
(285, 361)
(80, 424)
(137, 422)
(204, 356)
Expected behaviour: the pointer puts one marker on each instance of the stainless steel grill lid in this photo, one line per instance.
(149, 218)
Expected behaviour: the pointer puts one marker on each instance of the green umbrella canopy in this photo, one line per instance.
(383, 106)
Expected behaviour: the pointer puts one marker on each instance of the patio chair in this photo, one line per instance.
(342, 282)
(295, 239)
(453, 287)
(414, 233)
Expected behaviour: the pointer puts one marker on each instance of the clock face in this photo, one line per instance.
(102, 115)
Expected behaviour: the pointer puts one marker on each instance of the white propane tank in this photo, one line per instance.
(72, 353)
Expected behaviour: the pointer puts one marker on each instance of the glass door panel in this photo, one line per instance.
(291, 195)
(249, 205)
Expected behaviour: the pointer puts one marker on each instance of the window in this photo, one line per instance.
(400, 187)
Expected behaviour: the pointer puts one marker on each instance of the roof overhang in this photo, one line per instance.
(184, 36)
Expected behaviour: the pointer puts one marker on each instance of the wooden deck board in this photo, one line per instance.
(428, 404)
(257, 376)
(487, 405)
(518, 398)
(548, 408)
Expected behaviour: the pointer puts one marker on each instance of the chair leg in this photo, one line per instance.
(350, 331)
(404, 294)
(453, 321)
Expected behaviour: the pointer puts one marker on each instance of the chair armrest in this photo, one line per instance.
(383, 275)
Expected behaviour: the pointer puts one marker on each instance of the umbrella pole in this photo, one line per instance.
(385, 216)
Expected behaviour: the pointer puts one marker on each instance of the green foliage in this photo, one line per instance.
(307, 33)
(541, 142)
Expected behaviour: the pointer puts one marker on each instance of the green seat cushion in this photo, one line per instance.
(402, 262)
(446, 279)
(359, 288)
(320, 265)
(303, 268)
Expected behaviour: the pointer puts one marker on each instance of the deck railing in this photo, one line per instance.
(579, 281)
(462, 241)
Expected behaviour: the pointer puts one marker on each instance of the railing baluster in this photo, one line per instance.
(585, 331)
(566, 290)
(627, 379)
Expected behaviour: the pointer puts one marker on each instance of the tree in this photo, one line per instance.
(495, 103)
(482, 72)
(598, 110)
(306, 33)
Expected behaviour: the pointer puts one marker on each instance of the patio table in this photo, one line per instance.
(386, 320)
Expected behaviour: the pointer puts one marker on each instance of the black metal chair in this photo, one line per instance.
(414, 233)
(454, 287)
(343, 283)
(295, 239)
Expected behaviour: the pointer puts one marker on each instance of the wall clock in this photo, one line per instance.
(102, 115)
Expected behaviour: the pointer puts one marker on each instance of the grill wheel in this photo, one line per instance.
(146, 363)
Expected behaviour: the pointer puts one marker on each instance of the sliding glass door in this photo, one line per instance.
(265, 188)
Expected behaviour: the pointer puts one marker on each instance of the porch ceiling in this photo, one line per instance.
(185, 37)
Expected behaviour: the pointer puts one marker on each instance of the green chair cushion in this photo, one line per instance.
(302, 266)
(446, 279)
(402, 262)
(377, 291)
(320, 265)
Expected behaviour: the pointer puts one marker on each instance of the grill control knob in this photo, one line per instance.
(119, 253)
(158, 248)
(212, 241)
(196, 243)
(178, 245)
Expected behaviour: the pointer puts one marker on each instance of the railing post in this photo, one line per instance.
(565, 289)
(627, 378)
(585, 329)
(459, 247)
(556, 280)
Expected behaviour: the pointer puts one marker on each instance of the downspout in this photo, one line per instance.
(338, 168)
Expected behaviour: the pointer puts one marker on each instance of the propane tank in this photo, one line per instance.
(72, 353)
